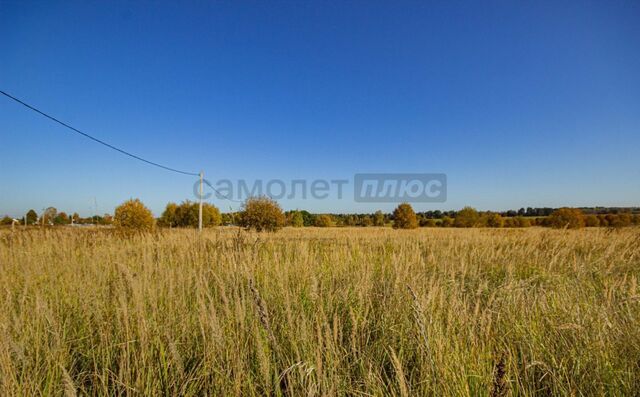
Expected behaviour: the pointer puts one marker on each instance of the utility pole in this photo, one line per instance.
(200, 212)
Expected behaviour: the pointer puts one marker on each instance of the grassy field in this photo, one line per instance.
(320, 312)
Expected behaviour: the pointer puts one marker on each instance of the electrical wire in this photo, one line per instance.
(96, 139)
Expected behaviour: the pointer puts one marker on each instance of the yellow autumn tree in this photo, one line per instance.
(134, 215)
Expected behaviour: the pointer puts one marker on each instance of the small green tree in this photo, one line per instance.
(262, 214)
(61, 219)
(32, 217)
(571, 218)
(134, 215)
(404, 217)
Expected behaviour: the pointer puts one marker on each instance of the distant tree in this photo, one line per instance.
(350, 220)
(309, 219)
(107, 219)
(521, 221)
(428, 222)
(591, 221)
(32, 217)
(168, 217)
(625, 219)
(228, 218)
(602, 219)
(467, 217)
(571, 218)
(541, 221)
(324, 220)
(75, 218)
(494, 220)
(210, 215)
(49, 215)
(404, 217)
(366, 221)
(447, 221)
(619, 220)
(378, 218)
(262, 214)
(295, 219)
(61, 219)
(187, 215)
(134, 215)
(7, 220)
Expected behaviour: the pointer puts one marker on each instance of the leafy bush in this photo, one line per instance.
(404, 217)
(324, 221)
(295, 219)
(186, 215)
(591, 221)
(378, 218)
(467, 217)
(494, 220)
(262, 214)
(571, 218)
(132, 214)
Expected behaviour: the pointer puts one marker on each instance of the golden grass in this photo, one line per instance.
(320, 312)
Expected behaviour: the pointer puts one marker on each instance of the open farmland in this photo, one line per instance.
(332, 311)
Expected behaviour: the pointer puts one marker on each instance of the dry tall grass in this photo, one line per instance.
(320, 312)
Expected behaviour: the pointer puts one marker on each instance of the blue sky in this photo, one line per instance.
(520, 104)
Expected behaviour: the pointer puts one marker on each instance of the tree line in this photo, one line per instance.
(263, 213)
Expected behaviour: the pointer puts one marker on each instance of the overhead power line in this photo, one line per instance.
(96, 139)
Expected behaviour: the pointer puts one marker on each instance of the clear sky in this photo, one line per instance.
(520, 104)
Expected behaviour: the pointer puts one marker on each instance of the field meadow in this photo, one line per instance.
(320, 312)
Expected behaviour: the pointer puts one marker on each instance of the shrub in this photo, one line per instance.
(619, 220)
(378, 218)
(591, 221)
(187, 214)
(446, 221)
(295, 219)
(467, 217)
(571, 218)
(261, 213)
(132, 214)
(61, 219)
(324, 221)
(521, 221)
(168, 217)
(428, 222)
(494, 220)
(404, 217)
